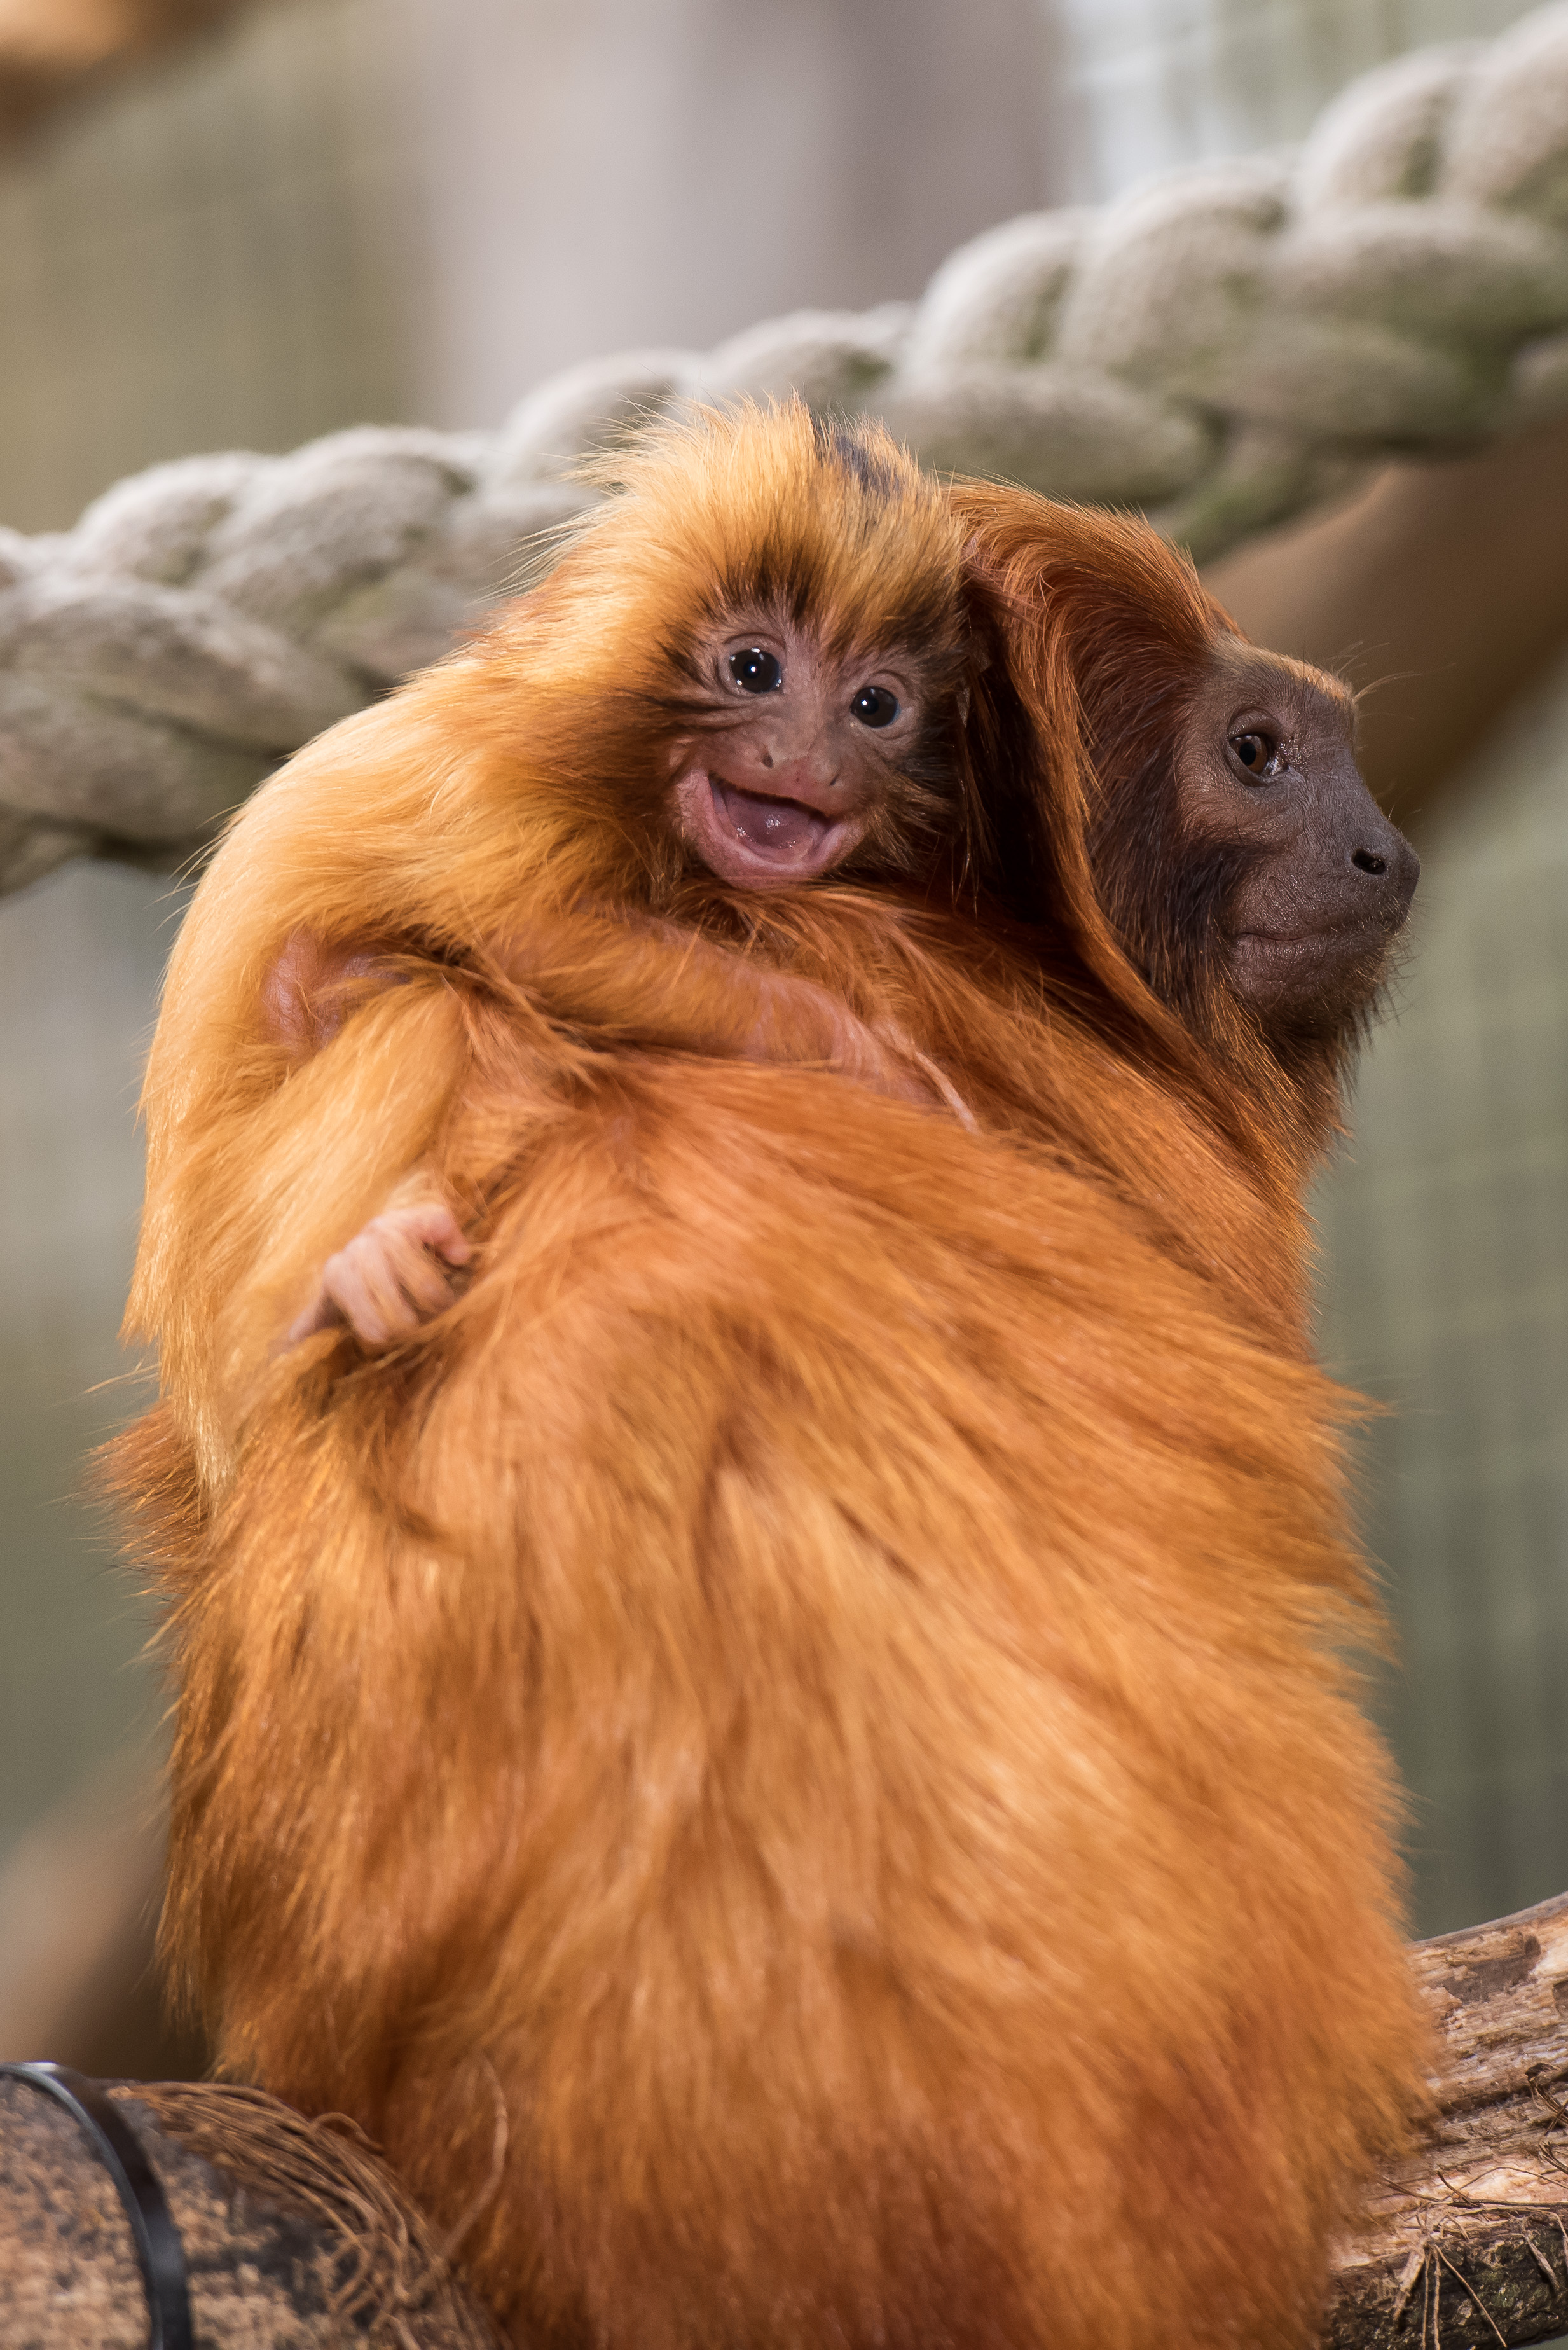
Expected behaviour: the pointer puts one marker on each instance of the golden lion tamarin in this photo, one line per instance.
(815, 1685)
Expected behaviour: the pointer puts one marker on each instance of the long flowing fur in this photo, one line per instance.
(822, 1676)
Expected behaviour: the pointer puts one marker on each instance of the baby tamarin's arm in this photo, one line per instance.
(396, 1271)
(656, 988)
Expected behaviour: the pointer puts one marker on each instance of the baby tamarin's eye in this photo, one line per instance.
(756, 672)
(875, 706)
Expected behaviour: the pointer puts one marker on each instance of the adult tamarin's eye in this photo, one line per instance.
(875, 706)
(1259, 753)
(756, 672)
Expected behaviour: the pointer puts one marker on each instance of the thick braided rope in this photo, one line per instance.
(1221, 348)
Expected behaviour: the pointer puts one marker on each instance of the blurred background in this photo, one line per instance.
(230, 225)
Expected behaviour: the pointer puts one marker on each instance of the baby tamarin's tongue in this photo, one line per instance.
(780, 828)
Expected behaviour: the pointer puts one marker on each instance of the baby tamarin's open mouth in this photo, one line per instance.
(755, 838)
(783, 830)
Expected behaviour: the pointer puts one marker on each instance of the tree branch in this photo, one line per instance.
(1466, 2243)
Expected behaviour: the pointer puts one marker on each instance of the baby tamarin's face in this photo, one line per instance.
(800, 756)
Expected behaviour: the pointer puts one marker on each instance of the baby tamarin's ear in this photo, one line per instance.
(311, 988)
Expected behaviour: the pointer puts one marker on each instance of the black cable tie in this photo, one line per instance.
(117, 2148)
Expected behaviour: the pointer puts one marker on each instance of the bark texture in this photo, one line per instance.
(295, 2236)
(1466, 2244)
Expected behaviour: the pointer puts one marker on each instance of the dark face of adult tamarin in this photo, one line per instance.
(1312, 882)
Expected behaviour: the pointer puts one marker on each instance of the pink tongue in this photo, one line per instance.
(780, 828)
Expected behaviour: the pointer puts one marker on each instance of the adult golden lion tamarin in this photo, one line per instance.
(814, 1685)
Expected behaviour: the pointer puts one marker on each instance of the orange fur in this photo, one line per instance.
(820, 1679)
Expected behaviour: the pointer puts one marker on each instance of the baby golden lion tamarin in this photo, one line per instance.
(814, 1687)
(795, 756)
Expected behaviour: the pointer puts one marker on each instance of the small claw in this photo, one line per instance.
(319, 1314)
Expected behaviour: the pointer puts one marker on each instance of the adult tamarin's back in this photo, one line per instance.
(814, 1692)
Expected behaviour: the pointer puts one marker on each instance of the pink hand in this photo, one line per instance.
(390, 1278)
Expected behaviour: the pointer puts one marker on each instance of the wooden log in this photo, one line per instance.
(295, 2235)
(1466, 2243)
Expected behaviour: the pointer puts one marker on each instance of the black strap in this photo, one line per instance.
(116, 2147)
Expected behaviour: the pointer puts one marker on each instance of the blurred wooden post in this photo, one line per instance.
(79, 1912)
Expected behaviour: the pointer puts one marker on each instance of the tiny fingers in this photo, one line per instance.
(433, 1226)
(360, 1283)
(422, 1276)
(391, 1279)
